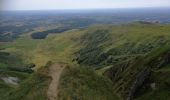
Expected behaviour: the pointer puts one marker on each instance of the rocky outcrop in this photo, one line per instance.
(161, 61)
(141, 77)
(10, 80)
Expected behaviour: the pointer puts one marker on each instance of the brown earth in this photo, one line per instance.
(55, 72)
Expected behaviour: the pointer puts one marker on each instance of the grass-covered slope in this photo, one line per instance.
(9, 63)
(135, 51)
(31, 86)
(131, 55)
(156, 86)
(133, 77)
(78, 83)
(103, 46)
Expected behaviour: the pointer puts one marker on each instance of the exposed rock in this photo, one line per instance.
(138, 82)
(153, 86)
(161, 61)
(11, 80)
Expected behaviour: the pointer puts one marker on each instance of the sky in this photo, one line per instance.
(79, 4)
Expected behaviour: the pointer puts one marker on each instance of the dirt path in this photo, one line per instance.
(55, 73)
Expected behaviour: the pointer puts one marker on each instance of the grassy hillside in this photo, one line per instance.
(129, 55)
(130, 50)
(121, 42)
(133, 56)
(82, 83)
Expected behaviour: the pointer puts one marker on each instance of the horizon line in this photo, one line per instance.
(68, 9)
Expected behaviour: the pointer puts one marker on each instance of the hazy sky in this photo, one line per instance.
(79, 4)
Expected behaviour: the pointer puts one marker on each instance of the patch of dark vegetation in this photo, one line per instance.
(7, 59)
(92, 52)
(9, 62)
(39, 35)
(147, 22)
(20, 69)
(43, 35)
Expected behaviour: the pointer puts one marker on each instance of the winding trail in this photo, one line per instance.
(55, 72)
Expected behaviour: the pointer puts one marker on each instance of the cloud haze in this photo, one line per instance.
(79, 4)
